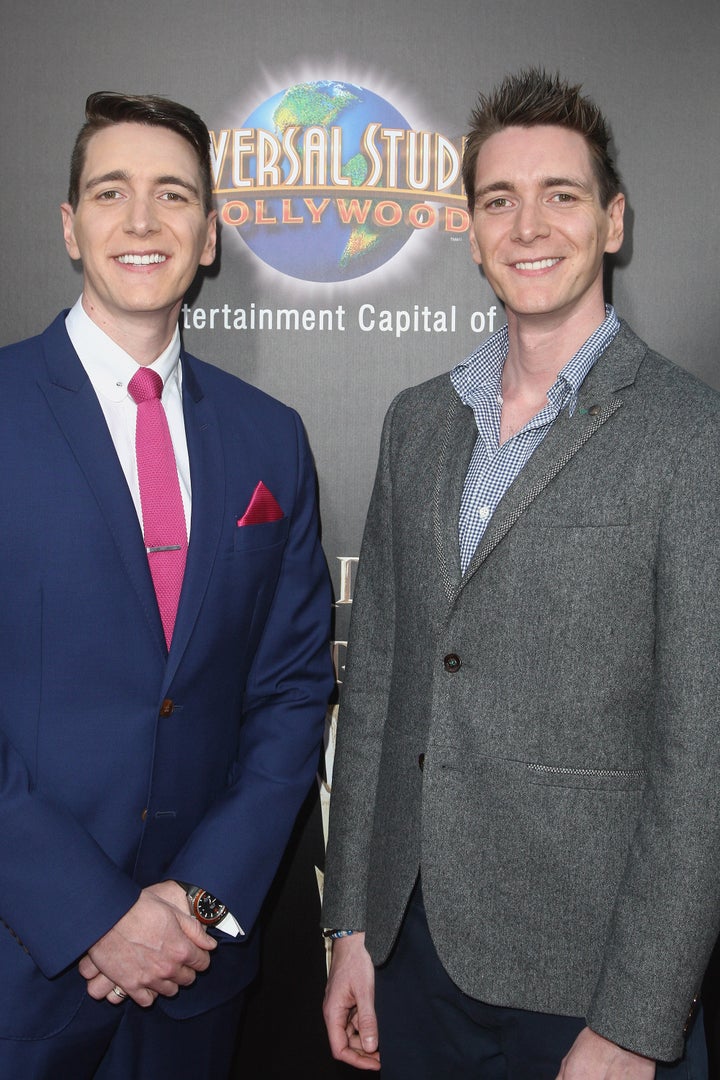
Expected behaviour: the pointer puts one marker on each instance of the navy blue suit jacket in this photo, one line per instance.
(103, 788)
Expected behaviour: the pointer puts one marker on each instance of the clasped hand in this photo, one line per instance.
(155, 948)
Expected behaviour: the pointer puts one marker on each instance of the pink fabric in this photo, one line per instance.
(162, 507)
(263, 506)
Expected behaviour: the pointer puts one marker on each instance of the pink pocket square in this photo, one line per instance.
(262, 507)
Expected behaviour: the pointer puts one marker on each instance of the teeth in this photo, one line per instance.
(141, 260)
(539, 264)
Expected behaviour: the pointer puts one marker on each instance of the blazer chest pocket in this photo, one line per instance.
(597, 508)
(266, 534)
(630, 779)
(598, 516)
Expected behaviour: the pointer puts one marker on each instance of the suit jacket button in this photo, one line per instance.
(143, 816)
(166, 709)
(452, 663)
(421, 762)
(594, 410)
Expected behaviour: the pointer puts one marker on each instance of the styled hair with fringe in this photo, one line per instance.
(106, 107)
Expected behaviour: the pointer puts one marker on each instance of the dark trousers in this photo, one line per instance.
(125, 1042)
(430, 1029)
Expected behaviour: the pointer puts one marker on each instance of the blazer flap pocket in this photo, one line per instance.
(629, 779)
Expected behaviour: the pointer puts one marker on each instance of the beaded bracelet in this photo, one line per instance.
(335, 934)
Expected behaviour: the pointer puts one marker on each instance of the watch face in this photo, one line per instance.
(208, 908)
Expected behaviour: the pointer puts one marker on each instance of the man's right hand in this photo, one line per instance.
(155, 948)
(349, 1006)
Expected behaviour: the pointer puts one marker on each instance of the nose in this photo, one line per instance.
(141, 217)
(530, 222)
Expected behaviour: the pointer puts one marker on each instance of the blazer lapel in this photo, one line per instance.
(207, 477)
(598, 400)
(458, 442)
(558, 447)
(73, 402)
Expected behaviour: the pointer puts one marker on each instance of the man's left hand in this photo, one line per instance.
(171, 894)
(592, 1057)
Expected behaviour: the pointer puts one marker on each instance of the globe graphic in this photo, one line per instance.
(331, 250)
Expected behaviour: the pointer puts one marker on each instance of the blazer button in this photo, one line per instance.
(421, 762)
(452, 663)
(166, 709)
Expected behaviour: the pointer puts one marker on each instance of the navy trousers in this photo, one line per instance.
(430, 1029)
(125, 1042)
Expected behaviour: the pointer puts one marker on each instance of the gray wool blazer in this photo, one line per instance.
(541, 736)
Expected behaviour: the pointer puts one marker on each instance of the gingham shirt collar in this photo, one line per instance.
(480, 376)
(493, 468)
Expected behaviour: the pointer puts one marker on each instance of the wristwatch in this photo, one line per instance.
(204, 907)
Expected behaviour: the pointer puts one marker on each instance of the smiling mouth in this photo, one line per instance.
(538, 264)
(141, 260)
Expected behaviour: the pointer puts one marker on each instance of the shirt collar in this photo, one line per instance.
(480, 376)
(108, 366)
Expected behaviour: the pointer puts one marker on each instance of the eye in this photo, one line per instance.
(109, 196)
(173, 196)
(499, 203)
(563, 197)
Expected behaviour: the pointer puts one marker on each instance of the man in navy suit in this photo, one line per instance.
(151, 766)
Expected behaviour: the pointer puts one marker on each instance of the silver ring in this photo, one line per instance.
(119, 992)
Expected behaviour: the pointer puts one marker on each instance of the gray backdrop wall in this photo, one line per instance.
(651, 64)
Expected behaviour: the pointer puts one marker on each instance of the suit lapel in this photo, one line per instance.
(73, 402)
(599, 398)
(207, 475)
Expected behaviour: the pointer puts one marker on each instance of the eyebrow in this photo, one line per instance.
(547, 182)
(121, 174)
(566, 181)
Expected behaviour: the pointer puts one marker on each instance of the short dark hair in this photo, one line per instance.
(528, 99)
(107, 107)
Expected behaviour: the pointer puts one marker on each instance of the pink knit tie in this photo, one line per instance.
(160, 498)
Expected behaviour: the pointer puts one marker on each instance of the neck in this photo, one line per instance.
(144, 336)
(539, 346)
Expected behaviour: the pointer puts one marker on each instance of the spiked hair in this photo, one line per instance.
(528, 99)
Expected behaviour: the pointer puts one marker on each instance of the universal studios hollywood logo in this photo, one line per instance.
(327, 181)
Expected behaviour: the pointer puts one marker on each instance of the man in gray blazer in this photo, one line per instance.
(523, 869)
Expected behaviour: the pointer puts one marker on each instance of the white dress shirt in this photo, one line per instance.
(110, 369)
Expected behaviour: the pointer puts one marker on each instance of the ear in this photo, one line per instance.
(208, 256)
(616, 228)
(474, 246)
(68, 222)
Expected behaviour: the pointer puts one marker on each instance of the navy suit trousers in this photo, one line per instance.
(125, 1042)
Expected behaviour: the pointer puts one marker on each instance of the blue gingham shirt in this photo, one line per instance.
(492, 469)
